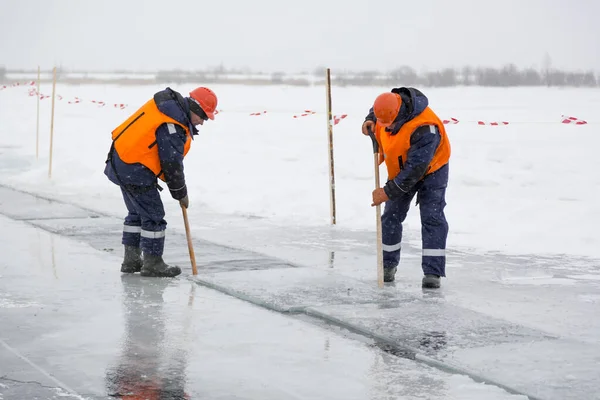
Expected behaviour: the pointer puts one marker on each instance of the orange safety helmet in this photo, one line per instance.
(207, 99)
(386, 108)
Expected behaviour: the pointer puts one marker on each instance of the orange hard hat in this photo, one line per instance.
(206, 99)
(386, 108)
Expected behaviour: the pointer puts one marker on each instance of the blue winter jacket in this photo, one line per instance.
(137, 177)
(422, 143)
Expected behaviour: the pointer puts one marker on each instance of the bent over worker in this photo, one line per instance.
(415, 148)
(150, 145)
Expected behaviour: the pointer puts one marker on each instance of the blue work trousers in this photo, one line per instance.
(144, 225)
(431, 198)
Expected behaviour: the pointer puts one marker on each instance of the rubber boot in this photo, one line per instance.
(132, 260)
(389, 274)
(431, 281)
(155, 266)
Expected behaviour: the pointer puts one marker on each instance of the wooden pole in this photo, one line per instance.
(377, 211)
(52, 122)
(37, 126)
(189, 240)
(330, 140)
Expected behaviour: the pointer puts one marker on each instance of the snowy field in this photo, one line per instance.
(527, 187)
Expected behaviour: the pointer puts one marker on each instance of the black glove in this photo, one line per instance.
(180, 193)
(392, 190)
(185, 202)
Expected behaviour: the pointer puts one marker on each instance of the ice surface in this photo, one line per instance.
(92, 333)
(423, 325)
(17, 206)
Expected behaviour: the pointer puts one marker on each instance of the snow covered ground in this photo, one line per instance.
(527, 187)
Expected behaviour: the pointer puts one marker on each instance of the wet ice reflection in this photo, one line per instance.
(151, 364)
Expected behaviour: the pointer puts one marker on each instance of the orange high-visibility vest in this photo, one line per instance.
(135, 139)
(394, 149)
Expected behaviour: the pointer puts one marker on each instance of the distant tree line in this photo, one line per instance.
(506, 76)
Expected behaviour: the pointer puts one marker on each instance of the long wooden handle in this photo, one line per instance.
(189, 240)
(377, 210)
(378, 224)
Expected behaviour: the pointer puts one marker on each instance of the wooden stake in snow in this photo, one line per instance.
(37, 125)
(330, 140)
(52, 122)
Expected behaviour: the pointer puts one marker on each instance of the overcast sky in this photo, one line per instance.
(298, 35)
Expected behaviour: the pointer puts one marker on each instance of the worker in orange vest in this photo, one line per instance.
(151, 145)
(416, 151)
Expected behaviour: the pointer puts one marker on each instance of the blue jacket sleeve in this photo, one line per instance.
(424, 141)
(170, 139)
